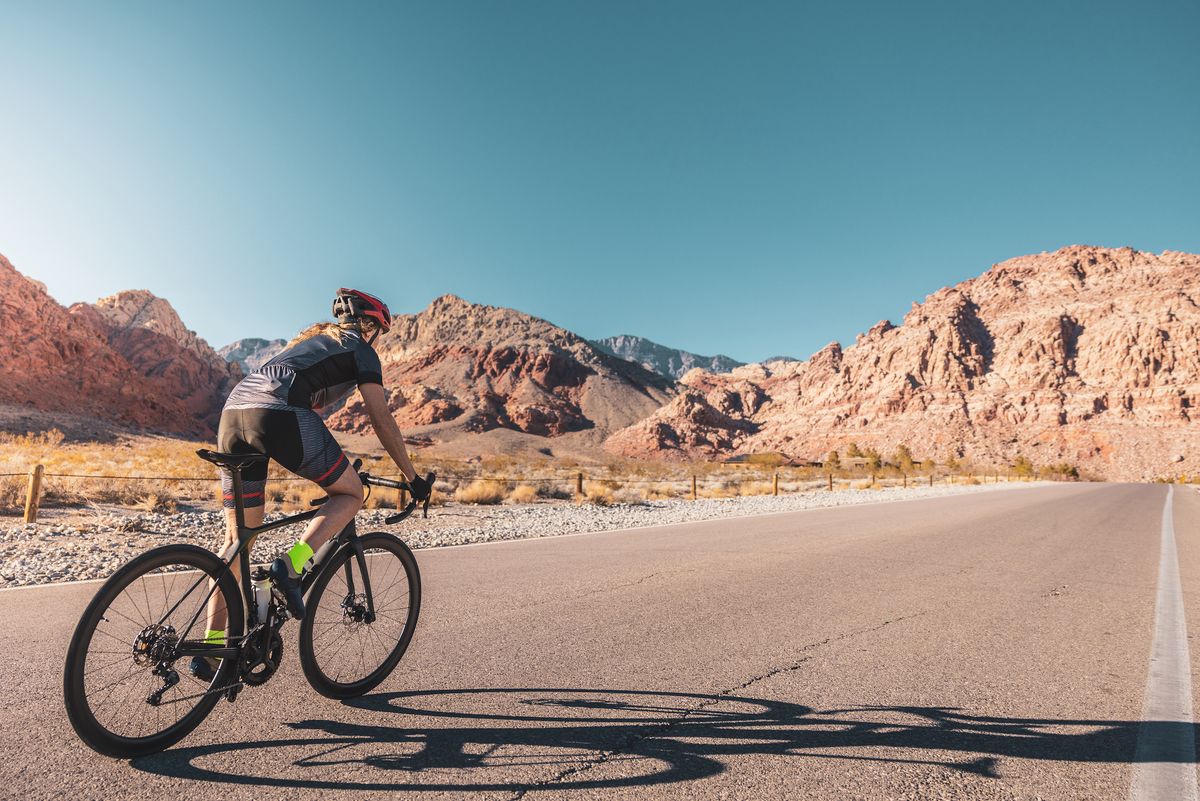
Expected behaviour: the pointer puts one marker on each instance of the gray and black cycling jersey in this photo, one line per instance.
(312, 374)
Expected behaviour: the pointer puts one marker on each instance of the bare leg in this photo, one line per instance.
(345, 499)
(216, 604)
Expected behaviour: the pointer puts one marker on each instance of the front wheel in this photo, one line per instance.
(343, 651)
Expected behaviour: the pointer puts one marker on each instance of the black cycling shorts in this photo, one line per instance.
(295, 438)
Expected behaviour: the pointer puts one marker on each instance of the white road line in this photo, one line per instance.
(1165, 757)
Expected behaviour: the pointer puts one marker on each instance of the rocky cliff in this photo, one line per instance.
(473, 367)
(57, 360)
(1085, 355)
(669, 362)
(148, 332)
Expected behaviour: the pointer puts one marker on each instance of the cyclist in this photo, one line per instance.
(273, 411)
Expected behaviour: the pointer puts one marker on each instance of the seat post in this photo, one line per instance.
(239, 510)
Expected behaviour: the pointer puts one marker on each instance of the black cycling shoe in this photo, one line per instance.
(289, 584)
(203, 668)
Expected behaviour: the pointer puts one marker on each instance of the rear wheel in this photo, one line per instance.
(121, 655)
(343, 652)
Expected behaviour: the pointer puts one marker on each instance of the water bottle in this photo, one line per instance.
(262, 592)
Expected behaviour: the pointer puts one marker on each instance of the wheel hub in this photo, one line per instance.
(155, 643)
(354, 610)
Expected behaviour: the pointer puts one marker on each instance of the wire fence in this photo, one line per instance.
(576, 482)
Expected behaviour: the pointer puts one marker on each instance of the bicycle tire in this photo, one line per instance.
(376, 545)
(80, 711)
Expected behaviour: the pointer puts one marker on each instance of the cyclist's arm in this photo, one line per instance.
(385, 427)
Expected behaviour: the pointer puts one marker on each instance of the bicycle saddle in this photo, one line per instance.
(231, 461)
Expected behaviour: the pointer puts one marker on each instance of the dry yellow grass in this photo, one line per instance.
(599, 495)
(480, 492)
(523, 493)
(661, 492)
(520, 481)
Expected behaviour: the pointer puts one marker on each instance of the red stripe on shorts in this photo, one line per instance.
(325, 475)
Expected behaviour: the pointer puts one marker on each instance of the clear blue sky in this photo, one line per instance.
(750, 178)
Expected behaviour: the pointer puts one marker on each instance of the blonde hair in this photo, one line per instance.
(338, 332)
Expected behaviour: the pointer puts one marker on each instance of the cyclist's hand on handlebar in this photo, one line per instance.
(420, 488)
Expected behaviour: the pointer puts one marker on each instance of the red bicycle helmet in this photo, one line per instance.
(351, 305)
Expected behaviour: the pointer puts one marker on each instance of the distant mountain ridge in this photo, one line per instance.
(669, 362)
(467, 367)
(252, 352)
(1086, 355)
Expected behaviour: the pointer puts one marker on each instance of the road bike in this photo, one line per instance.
(126, 696)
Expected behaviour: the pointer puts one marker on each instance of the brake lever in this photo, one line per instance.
(429, 479)
(404, 515)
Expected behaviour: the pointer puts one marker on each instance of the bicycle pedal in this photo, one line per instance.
(231, 694)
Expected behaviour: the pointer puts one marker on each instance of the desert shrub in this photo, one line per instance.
(765, 459)
(1022, 467)
(499, 465)
(12, 492)
(861, 485)
(600, 495)
(972, 480)
(1068, 472)
(153, 502)
(659, 492)
(557, 492)
(523, 493)
(480, 492)
(629, 495)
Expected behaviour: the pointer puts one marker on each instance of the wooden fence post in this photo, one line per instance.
(905, 480)
(34, 495)
(578, 486)
(831, 482)
(931, 479)
(693, 488)
(775, 484)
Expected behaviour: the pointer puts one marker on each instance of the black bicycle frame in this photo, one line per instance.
(246, 534)
(348, 536)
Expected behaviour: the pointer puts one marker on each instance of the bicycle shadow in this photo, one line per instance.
(474, 740)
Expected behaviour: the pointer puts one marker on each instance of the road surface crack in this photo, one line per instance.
(643, 733)
(604, 590)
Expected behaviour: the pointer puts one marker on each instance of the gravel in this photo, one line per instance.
(40, 553)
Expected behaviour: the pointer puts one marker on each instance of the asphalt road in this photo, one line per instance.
(992, 646)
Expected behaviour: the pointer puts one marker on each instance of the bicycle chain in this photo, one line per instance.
(227, 688)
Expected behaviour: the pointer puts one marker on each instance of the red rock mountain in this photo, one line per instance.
(132, 369)
(1085, 355)
(460, 366)
(147, 331)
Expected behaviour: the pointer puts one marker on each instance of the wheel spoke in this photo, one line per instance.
(108, 694)
(345, 649)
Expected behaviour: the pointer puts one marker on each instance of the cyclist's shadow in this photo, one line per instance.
(513, 738)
